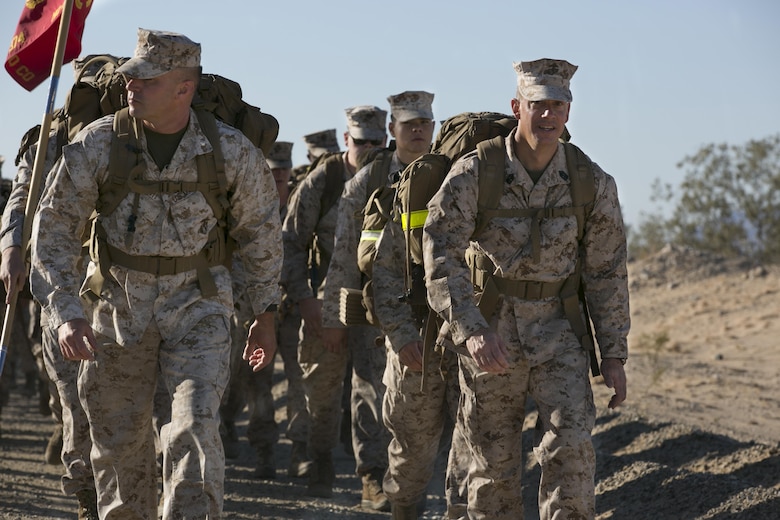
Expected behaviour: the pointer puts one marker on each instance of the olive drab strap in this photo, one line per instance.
(99, 90)
(491, 287)
(380, 189)
(379, 171)
(334, 180)
(126, 167)
(378, 210)
(583, 195)
(124, 161)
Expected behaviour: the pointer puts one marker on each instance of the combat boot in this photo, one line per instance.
(373, 495)
(399, 512)
(300, 465)
(53, 453)
(321, 476)
(266, 467)
(87, 504)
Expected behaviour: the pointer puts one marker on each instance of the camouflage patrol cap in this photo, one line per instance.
(158, 52)
(366, 122)
(544, 79)
(280, 155)
(321, 142)
(412, 104)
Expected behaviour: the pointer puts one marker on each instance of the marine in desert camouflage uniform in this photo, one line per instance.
(308, 233)
(419, 411)
(527, 347)
(411, 124)
(255, 388)
(70, 419)
(142, 324)
(317, 144)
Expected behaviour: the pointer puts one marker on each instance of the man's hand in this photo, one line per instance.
(334, 339)
(311, 313)
(77, 341)
(488, 351)
(261, 342)
(13, 271)
(411, 355)
(614, 375)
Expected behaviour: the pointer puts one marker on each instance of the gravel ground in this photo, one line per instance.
(646, 470)
(699, 437)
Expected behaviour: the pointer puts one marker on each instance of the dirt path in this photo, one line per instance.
(698, 439)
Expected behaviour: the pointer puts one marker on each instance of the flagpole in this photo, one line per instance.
(37, 174)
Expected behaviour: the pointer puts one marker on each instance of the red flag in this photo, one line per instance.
(31, 52)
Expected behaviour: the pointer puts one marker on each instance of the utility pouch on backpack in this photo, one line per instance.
(375, 215)
(419, 182)
(223, 98)
(351, 309)
(97, 91)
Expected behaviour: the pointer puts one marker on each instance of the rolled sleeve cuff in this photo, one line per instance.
(613, 349)
(297, 291)
(11, 237)
(466, 325)
(403, 336)
(262, 297)
(63, 311)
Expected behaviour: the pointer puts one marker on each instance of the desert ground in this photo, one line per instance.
(698, 438)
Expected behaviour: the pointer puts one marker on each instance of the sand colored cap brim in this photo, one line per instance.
(542, 93)
(321, 142)
(279, 164)
(366, 122)
(280, 155)
(411, 104)
(159, 52)
(544, 79)
(403, 115)
(141, 69)
(372, 134)
(316, 151)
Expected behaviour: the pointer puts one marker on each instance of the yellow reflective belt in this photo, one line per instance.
(414, 220)
(370, 235)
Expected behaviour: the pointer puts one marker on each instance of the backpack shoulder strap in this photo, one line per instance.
(491, 179)
(583, 184)
(124, 157)
(379, 171)
(334, 182)
(213, 164)
(583, 195)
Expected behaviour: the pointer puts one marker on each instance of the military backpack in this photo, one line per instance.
(485, 132)
(99, 91)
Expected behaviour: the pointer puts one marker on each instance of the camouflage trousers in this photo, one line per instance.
(255, 389)
(323, 380)
(76, 443)
(493, 410)
(251, 389)
(421, 423)
(287, 339)
(117, 391)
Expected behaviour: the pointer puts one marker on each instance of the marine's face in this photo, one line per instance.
(152, 99)
(543, 121)
(281, 175)
(282, 179)
(413, 136)
(362, 145)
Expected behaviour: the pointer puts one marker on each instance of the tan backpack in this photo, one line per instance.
(99, 91)
(485, 132)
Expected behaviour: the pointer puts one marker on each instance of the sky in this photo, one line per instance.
(657, 80)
